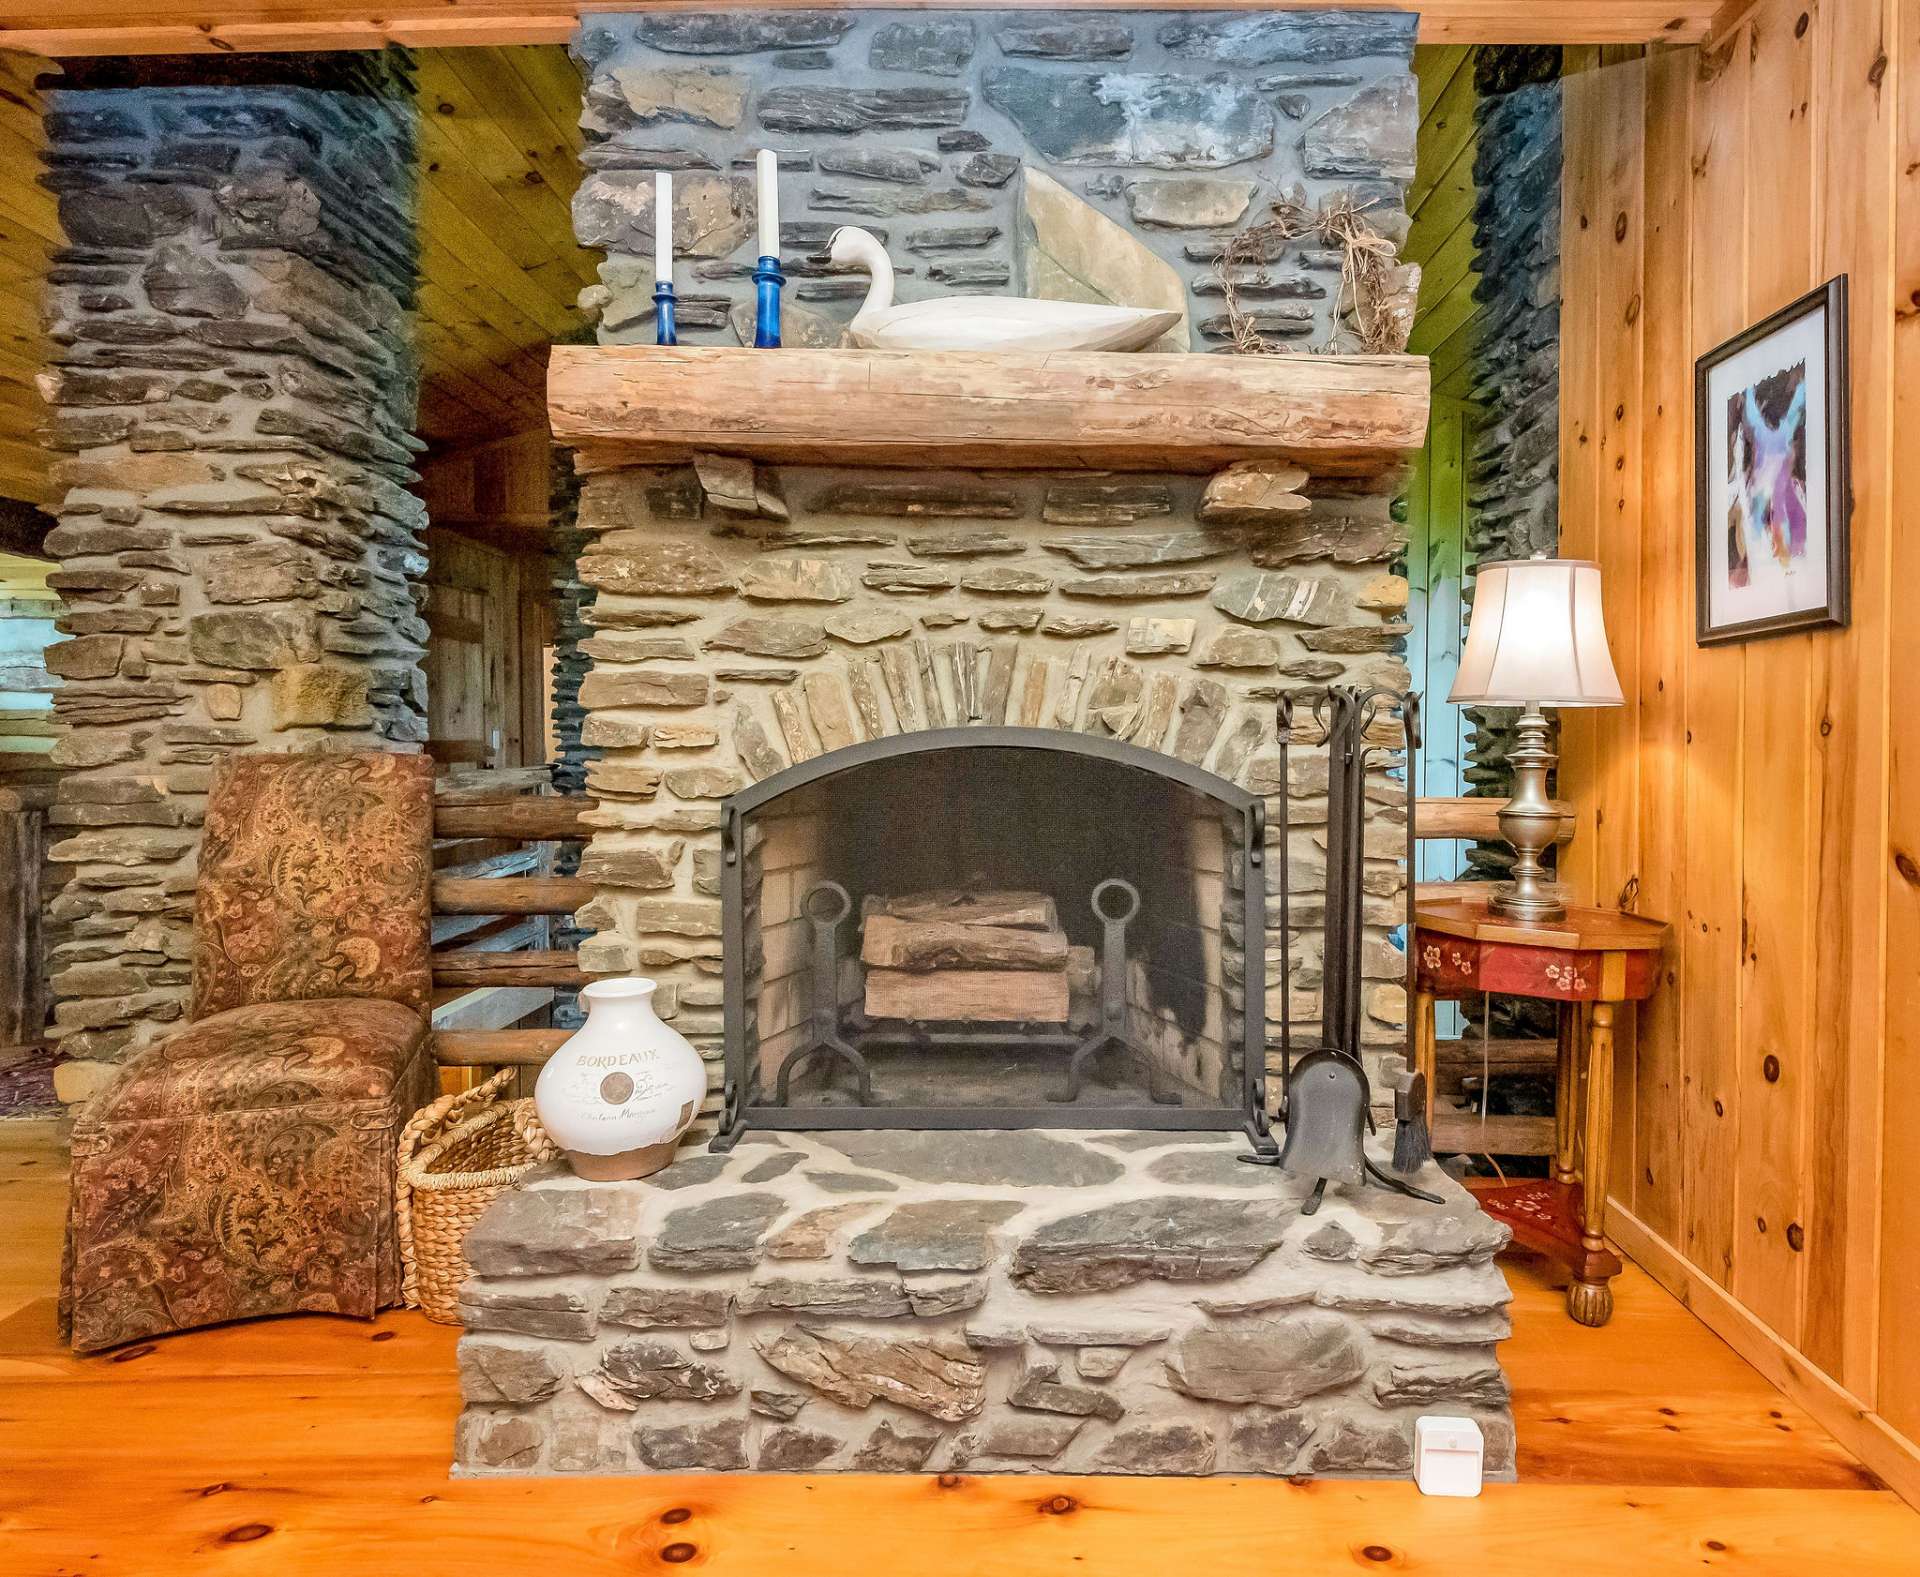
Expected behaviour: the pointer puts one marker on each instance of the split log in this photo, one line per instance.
(510, 895)
(893, 943)
(1083, 986)
(1438, 816)
(958, 906)
(490, 786)
(970, 996)
(470, 967)
(532, 817)
(497, 1048)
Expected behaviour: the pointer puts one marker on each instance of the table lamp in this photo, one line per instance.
(1538, 638)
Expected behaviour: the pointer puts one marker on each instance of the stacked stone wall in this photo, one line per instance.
(572, 597)
(232, 402)
(1175, 128)
(1514, 474)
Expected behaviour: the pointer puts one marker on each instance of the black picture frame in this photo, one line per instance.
(1836, 496)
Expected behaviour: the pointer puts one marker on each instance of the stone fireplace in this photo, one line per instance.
(881, 638)
(754, 619)
(1113, 991)
(819, 688)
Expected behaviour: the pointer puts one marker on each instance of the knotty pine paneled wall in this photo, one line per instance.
(29, 234)
(1766, 795)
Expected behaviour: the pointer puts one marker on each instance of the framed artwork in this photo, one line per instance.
(1771, 487)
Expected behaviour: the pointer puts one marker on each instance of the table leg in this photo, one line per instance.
(1566, 1095)
(1591, 1302)
(1426, 1045)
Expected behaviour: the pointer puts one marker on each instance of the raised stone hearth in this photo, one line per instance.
(1017, 1301)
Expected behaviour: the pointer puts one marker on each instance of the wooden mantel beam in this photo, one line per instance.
(171, 27)
(1335, 416)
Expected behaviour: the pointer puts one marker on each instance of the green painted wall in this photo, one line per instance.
(1441, 241)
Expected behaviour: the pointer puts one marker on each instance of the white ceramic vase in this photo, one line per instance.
(623, 1089)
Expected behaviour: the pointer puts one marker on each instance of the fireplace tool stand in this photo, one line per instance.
(828, 903)
(1325, 1099)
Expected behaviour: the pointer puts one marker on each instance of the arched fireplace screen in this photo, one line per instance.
(994, 928)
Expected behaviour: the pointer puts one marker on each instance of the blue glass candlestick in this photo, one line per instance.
(766, 325)
(664, 332)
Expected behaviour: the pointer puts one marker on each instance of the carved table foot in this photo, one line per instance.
(1589, 1302)
(1547, 1217)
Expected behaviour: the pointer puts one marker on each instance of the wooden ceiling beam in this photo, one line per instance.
(116, 27)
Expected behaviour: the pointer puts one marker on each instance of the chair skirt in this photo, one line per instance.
(245, 1167)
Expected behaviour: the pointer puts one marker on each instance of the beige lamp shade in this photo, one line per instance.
(1538, 637)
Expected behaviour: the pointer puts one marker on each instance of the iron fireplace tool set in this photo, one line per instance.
(1326, 1098)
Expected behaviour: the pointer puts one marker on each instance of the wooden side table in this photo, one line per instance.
(1586, 963)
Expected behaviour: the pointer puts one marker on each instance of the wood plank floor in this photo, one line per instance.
(317, 1445)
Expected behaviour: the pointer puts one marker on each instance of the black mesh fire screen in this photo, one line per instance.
(994, 927)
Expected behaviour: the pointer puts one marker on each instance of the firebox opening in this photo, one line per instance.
(991, 928)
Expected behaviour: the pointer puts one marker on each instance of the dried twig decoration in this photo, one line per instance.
(1367, 263)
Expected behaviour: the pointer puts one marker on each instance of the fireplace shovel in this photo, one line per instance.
(1327, 1099)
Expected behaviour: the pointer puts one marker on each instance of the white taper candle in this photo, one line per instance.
(662, 226)
(769, 202)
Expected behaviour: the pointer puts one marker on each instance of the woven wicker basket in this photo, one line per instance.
(456, 1157)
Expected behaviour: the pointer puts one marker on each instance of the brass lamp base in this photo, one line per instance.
(1530, 822)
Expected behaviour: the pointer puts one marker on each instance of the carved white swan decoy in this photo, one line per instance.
(970, 322)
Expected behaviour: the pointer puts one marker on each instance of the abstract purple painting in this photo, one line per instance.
(1771, 516)
(1767, 476)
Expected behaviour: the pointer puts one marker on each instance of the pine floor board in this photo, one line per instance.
(317, 1445)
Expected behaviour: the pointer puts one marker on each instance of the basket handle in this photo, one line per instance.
(526, 1122)
(430, 1119)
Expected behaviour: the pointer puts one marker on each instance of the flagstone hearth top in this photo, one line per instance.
(1145, 1198)
(1004, 1301)
(1335, 416)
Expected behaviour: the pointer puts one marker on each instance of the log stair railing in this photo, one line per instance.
(493, 896)
(1468, 819)
(474, 968)
(497, 1048)
(509, 894)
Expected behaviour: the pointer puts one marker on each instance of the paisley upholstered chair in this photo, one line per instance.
(245, 1165)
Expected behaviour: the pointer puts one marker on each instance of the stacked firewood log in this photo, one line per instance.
(959, 956)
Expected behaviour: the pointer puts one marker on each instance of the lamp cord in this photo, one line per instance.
(1486, 1057)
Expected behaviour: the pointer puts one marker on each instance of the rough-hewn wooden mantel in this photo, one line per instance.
(1347, 416)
